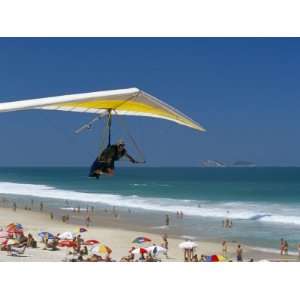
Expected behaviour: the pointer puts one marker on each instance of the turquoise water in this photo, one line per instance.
(264, 203)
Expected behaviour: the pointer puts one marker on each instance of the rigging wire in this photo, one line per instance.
(132, 139)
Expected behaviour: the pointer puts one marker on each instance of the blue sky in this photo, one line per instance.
(245, 92)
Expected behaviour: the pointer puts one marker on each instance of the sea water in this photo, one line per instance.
(264, 203)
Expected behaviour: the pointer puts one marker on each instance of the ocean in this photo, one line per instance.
(264, 203)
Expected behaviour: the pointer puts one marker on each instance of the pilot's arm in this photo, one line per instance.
(130, 158)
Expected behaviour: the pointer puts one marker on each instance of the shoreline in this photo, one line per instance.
(117, 233)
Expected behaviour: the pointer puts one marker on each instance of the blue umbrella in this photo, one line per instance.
(43, 233)
(19, 226)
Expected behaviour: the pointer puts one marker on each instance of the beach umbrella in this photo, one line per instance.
(91, 242)
(82, 229)
(67, 235)
(215, 258)
(19, 226)
(4, 234)
(139, 251)
(42, 235)
(10, 226)
(141, 239)
(221, 258)
(155, 250)
(187, 245)
(14, 228)
(67, 243)
(101, 249)
(12, 242)
(4, 242)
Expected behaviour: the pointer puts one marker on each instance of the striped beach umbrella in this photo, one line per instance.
(215, 258)
(91, 242)
(141, 240)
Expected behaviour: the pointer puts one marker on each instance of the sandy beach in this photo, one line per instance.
(115, 232)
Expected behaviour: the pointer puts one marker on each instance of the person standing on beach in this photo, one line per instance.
(41, 206)
(224, 248)
(45, 241)
(78, 243)
(281, 247)
(51, 216)
(165, 244)
(14, 206)
(88, 221)
(286, 248)
(239, 253)
(167, 220)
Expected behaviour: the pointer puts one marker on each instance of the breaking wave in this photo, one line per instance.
(235, 210)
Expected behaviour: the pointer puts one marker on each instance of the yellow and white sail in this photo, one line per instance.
(132, 102)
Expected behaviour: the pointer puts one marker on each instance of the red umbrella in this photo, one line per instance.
(91, 242)
(4, 242)
(214, 258)
(67, 243)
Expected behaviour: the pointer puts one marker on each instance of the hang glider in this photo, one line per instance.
(131, 102)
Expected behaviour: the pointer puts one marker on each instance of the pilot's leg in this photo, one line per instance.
(97, 173)
(110, 172)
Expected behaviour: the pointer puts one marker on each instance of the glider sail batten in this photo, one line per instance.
(132, 102)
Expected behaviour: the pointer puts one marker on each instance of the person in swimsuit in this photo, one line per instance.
(224, 248)
(239, 253)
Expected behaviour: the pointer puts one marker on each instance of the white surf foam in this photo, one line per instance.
(233, 210)
(271, 250)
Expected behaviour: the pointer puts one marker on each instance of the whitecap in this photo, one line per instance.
(237, 210)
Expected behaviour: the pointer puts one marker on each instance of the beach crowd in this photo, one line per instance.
(14, 241)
